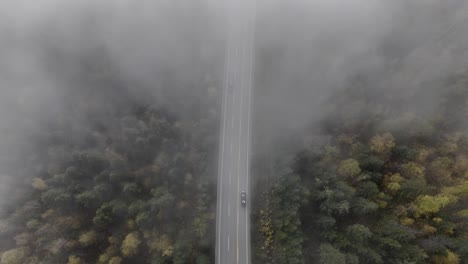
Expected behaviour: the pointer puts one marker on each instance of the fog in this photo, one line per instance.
(50, 41)
(72, 62)
(307, 51)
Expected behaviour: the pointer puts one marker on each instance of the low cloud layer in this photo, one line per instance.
(68, 60)
(309, 50)
(305, 52)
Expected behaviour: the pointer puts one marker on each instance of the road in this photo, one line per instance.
(233, 219)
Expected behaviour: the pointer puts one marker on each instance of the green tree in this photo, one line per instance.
(104, 216)
(330, 255)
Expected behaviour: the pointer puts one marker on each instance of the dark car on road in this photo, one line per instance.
(243, 198)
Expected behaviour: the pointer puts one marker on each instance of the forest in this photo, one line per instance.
(127, 182)
(110, 123)
(389, 185)
(111, 116)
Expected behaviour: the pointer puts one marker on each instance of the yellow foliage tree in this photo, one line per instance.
(429, 229)
(412, 169)
(108, 254)
(448, 148)
(393, 182)
(456, 192)
(463, 213)
(23, 239)
(407, 221)
(74, 260)
(423, 153)
(382, 144)
(427, 204)
(87, 239)
(349, 168)
(111, 251)
(266, 229)
(450, 258)
(113, 240)
(130, 244)
(39, 184)
(13, 256)
(158, 243)
(115, 260)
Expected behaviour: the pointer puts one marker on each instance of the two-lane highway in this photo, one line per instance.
(233, 219)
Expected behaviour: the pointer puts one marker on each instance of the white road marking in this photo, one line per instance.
(231, 137)
(238, 36)
(240, 147)
(223, 131)
(247, 244)
(221, 176)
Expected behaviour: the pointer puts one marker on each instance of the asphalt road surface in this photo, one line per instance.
(233, 219)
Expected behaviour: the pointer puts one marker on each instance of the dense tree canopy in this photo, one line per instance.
(375, 192)
(137, 187)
